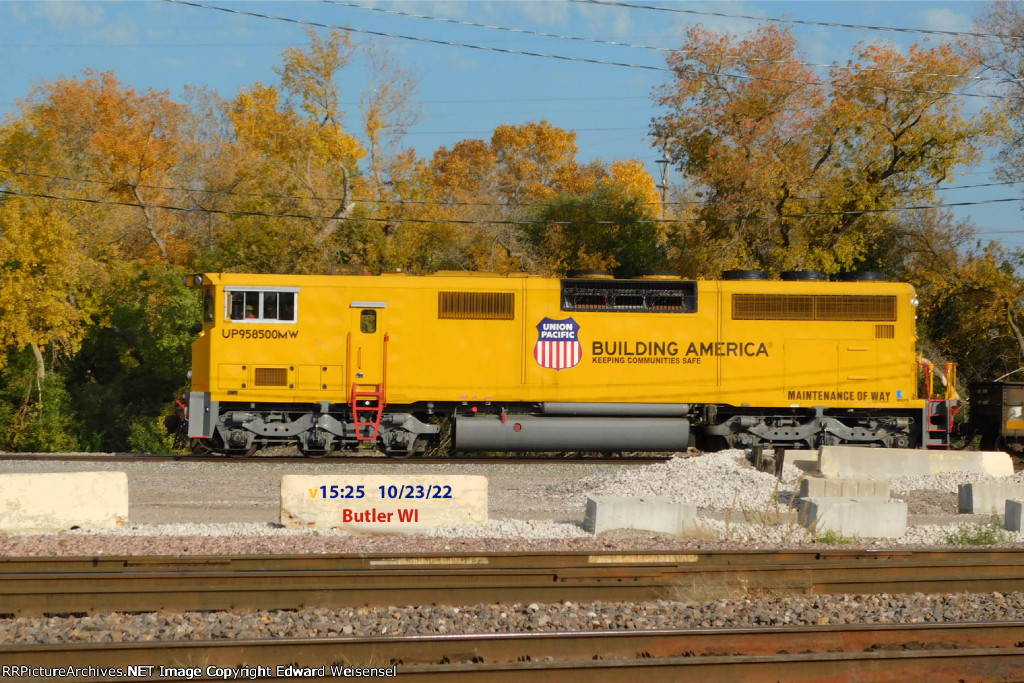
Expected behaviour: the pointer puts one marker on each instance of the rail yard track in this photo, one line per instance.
(954, 651)
(968, 652)
(51, 586)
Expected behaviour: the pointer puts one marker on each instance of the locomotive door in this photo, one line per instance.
(367, 359)
(367, 343)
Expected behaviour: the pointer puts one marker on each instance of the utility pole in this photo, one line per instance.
(663, 162)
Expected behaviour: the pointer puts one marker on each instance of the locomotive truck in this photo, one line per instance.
(581, 363)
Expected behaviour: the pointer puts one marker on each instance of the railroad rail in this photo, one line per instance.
(51, 586)
(378, 458)
(961, 651)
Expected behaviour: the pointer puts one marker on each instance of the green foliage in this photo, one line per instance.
(991, 533)
(794, 169)
(148, 435)
(836, 538)
(600, 230)
(34, 417)
(130, 369)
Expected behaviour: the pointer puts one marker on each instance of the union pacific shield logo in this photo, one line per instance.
(558, 344)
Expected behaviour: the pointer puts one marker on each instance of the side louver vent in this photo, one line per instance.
(813, 307)
(476, 305)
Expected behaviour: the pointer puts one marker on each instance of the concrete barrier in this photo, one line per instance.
(1014, 510)
(854, 462)
(61, 501)
(987, 497)
(379, 503)
(802, 459)
(818, 487)
(651, 513)
(863, 517)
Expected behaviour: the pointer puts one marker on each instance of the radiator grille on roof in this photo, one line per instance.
(476, 305)
(639, 296)
(813, 307)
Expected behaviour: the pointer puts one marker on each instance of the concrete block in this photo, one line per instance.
(987, 497)
(60, 501)
(804, 460)
(819, 487)
(873, 463)
(651, 513)
(863, 517)
(1014, 511)
(379, 503)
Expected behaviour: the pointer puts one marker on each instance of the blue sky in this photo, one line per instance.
(464, 92)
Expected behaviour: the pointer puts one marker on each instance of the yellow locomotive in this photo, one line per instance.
(582, 363)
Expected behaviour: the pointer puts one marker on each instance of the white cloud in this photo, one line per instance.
(945, 19)
(607, 21)
(122, 33)
(543, 12)
(69, 16)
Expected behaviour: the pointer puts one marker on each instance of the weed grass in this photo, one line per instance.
(834, 537)
(991, 533)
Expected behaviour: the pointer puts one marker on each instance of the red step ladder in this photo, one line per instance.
(367, 406)
(939, 401)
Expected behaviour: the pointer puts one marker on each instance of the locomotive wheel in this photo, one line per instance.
(242, 452)
(313, 452)
(200, 446)
(391, 453)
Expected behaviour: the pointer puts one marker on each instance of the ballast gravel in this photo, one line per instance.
(713, 481)
(724, 612)
(231, 509)
(531, 506)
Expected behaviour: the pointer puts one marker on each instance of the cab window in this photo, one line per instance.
(208, 307)
(261, 305)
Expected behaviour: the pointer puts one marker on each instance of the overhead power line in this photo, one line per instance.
(264, 214)
(495, 27)
(656, 48)
(440, 204)
(743, 77)
(419, 39)
(804, 22)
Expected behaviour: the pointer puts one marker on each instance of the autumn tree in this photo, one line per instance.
(46, 280)
(291, 187)
(602, 230)
(91, 166)
(93, 138)
(1004, 60)
(797, 170)
(971, 297)
(501, 190)
(388, 111)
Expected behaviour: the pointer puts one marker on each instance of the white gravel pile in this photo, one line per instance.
(946, 481)
(713, 481)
